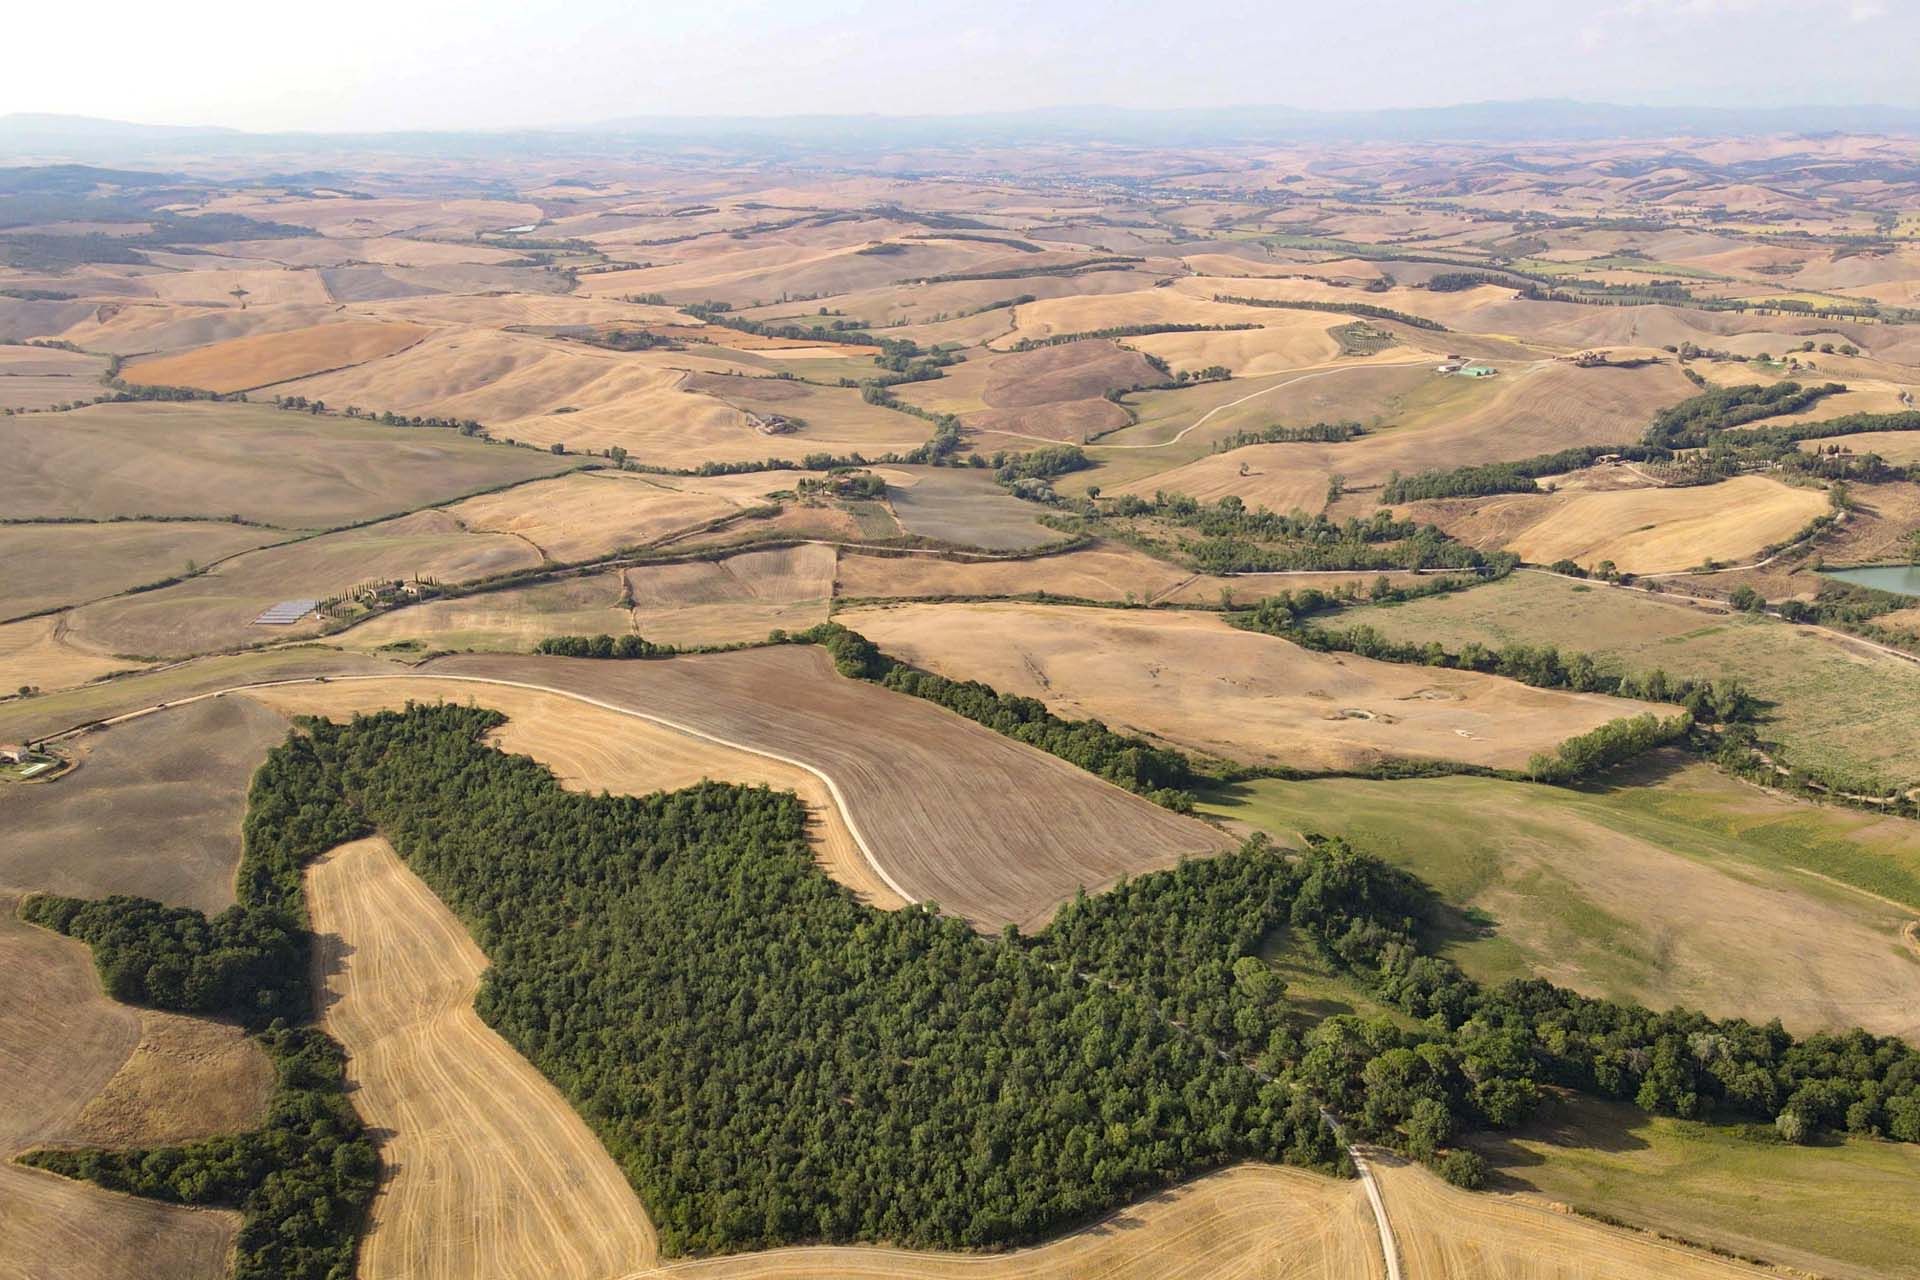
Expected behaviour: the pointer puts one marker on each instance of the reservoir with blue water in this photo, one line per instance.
(1901, 579)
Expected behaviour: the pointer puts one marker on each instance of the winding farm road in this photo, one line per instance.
(833, 788)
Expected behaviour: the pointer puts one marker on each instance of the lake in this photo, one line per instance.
(1902, 579)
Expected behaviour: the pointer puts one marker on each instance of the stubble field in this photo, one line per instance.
(1197, 682)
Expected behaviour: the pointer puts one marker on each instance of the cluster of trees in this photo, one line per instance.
(847, 332)
(1277, 433)
(1236, 538)
(1158, 773)
(629, 340)
(603, 646)
(1366, 309)
(1509, 477)
(1125, 331)
(176, 958)
(1458, 281)
(1044, 463)
(1693, 422)
(1614, 742)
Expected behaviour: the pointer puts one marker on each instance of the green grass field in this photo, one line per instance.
(1842, 1208)
(1673, 887)
(1835, 707)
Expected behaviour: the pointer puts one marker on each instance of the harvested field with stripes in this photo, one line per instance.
(488, 1169)
(1243, 1223)
(992, 830)
(1443, 1231)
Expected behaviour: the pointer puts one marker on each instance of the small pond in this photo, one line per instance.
(1902, 579)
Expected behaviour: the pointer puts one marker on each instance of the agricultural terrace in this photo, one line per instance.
(1833, 704)
(1196, 682)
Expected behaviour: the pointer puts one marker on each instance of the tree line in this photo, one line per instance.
(1366, 309)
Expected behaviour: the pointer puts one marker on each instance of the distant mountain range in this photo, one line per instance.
(81, 137)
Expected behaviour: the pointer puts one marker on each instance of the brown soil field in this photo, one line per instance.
(43, 565)
(40, 377)
(964, 507)
(1447, 422)
(1104, 571)
(245, 364)
(1443, 1231)
(487, 1167)
(153, 809)
(1194, 681)
(590, 748)
(61, 1041)
(33, 653)
(1643, 530)
(1290, 340)
(591, 514)
(188, 1078)
(913, 776)
(292, 470)
(216, 609)
(1241, 1223)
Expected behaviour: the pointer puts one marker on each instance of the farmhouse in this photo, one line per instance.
(12, 753)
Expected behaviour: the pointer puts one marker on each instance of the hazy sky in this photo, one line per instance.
(396, 64)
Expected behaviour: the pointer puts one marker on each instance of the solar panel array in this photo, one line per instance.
(285, 613)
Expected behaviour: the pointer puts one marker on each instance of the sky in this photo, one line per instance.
(355, 65)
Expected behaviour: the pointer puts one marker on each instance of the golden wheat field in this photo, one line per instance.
(488, 1167)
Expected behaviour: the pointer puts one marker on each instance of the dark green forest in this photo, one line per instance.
(771, 1061)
